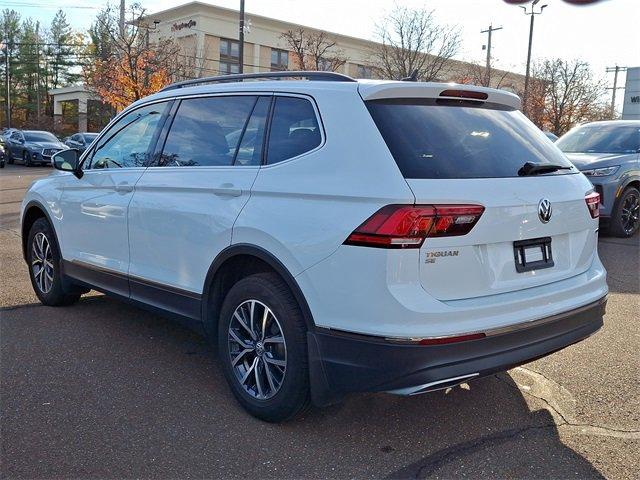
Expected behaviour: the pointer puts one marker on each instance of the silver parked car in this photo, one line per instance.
(608, 153)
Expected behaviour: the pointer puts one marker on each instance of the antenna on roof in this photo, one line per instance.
(412, 78)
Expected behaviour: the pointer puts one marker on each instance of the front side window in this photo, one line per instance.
(229, 56)
(207, 132)
(279, 59)
(294, 129)
(128, 142)
(601, 139)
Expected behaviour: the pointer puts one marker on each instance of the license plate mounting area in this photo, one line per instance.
(532, 254)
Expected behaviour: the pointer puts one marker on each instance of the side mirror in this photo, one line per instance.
(68, 161)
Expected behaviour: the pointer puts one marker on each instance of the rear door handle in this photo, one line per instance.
(227, 189)
(124, 188)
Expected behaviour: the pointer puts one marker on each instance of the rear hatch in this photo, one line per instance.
(536, 227)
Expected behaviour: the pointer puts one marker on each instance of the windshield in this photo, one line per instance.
(90, 137)
(434, 139)
(601, 139)
(39, 137)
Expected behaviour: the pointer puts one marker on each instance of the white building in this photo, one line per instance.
(208, 39)
(631, 105)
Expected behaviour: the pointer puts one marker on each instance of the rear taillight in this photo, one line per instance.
(406, 226)
(593, 201)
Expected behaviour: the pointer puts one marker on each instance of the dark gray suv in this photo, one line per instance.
(608, 153)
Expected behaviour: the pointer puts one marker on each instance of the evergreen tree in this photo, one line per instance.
(10, 32)
(62, 52)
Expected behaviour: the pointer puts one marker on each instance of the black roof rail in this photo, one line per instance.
(316, 75)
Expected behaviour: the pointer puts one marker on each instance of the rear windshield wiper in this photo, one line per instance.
(530, 168)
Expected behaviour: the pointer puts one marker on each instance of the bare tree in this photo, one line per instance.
(475, 74)
(411, 40)
(314, 50)
(571, 94)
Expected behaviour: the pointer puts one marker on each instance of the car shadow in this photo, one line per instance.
(104, 389)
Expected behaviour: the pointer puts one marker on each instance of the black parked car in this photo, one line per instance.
(33, 147)
(80, 141)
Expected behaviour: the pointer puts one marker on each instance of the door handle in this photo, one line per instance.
(124, 188)
(227, 189)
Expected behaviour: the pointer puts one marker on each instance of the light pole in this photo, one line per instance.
(533, 13)
(5, 44)
(489, 31)
(241, 36)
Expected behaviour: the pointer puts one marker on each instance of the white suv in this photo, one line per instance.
(331, 235)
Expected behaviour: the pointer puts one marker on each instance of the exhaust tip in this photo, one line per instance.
(434, 386)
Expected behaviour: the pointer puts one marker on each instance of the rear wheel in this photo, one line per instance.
(625, 220)
(263, 349)
(44, 261)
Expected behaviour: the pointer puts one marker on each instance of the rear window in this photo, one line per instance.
(442, 139)
(601, 139)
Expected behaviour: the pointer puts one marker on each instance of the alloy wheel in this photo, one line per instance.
(630, 214)
(257, 349)
(42, 262)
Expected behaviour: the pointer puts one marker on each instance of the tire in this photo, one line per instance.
(48, 284)
(286, 393)
(26, 158)
(625, 220)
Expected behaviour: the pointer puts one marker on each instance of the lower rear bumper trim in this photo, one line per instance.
(341, 363)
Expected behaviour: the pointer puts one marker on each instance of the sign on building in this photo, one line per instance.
(631, 106)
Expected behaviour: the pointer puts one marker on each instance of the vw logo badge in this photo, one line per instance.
(544, 210)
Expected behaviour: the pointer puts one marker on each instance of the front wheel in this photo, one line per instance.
(625, 220)
(44, 261)
(263, 349)
(26, 159)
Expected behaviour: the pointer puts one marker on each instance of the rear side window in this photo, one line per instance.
(207, 131)
(294, 129)
(432, 139)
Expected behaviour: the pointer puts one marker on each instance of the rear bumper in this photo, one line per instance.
(341, 363)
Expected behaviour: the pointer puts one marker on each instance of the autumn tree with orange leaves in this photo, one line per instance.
(126, 67)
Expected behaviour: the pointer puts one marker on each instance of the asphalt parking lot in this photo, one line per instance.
(102, 389)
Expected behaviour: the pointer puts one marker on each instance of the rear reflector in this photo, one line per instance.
(444, 340)
(406, 226)
(464, 94)
(593, 201)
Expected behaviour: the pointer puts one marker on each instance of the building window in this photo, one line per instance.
(364, 71)
(325, 64)
(279, 59)
(229, 56)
